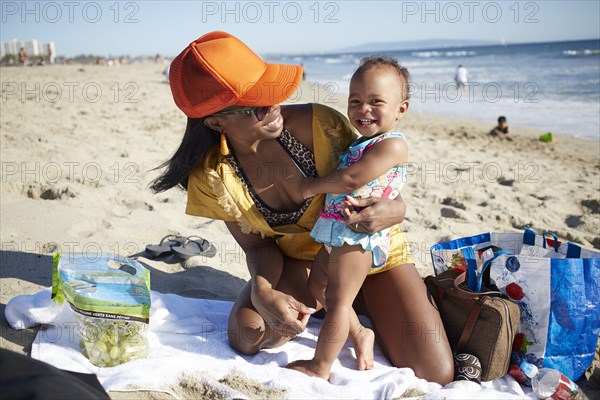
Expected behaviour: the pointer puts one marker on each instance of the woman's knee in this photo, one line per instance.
(246, 333)
(245, 327)
(425, 350)
(439, 369)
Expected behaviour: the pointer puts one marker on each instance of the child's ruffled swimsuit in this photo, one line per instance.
(330, 227)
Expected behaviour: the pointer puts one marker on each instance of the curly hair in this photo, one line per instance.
(379, 61)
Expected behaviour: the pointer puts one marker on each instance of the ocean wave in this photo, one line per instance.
(334, 60)
(581, 53)
(457, 53)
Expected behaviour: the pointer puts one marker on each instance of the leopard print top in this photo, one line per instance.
(304, 160)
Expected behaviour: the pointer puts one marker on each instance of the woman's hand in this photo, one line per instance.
(284, 314)
(281, 312)
(372, 214)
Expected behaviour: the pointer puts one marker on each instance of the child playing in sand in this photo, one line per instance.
(378, 100)
(501, 130)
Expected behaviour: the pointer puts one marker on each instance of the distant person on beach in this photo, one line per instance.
(369, 168)
(23, 57)
(50, 54)
(501, 130)
(236, 129)
(166, 73)
(461, 77)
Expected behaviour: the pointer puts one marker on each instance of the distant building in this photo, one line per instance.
(32, 47)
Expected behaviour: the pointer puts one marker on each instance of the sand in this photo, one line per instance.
(79, 145)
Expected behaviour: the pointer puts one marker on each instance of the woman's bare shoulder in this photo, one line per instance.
(298, 120)
(296, 112)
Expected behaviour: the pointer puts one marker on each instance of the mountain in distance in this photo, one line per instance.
(415, 45)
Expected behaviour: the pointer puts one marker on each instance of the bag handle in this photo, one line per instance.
(475, 278)
(469, 326)
(459, 292)
(472, 320)
(529, 238)
(554, 238)
(469, 255)
(466, 294)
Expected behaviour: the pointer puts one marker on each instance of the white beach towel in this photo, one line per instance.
(188, 340)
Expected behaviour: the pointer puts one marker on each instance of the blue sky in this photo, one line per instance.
(151, 27)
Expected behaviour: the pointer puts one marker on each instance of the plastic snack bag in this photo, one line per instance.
(110, 295)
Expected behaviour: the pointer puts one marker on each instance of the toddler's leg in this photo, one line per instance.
(317, 281)
(363, 340)
(346, 271)
(347, 268)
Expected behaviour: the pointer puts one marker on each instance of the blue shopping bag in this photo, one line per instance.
(557, 287)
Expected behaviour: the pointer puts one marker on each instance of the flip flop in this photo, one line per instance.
(165, 245)
(194, 246)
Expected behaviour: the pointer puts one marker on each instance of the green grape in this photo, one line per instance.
(94, 354)
(101, 346)
(114, 353)
(107, 343)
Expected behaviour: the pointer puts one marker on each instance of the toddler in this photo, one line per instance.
(371, 167)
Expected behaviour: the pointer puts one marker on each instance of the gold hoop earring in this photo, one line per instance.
(224, 149)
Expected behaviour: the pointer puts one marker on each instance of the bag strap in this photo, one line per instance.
(486, 265)
(465, 294)
(469, 255)
(556, 243)
(439, 295)
(457, 291)
(469, 326)
(474, 315)
(529, 239)
(475, 279)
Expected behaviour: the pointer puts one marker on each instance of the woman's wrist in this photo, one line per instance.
(260, 283)
(260, 292)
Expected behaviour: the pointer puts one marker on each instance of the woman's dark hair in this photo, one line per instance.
(197, 139)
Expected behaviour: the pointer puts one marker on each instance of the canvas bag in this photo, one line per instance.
(480, 324)
(557, 287)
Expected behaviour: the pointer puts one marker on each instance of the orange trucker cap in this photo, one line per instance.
(218, 70)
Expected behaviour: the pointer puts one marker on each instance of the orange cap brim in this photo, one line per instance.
(277, 84)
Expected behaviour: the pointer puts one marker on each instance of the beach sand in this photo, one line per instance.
(79, 144)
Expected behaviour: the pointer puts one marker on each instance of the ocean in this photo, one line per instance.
(554, 87)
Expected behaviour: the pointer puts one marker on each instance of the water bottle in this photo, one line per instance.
(549, 383)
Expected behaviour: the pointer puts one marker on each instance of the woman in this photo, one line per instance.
(251, 180)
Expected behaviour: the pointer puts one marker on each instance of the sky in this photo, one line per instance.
(115, 28)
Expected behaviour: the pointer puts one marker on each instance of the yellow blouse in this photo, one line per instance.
(215, 191)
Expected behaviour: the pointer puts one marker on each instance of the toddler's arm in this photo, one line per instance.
(373, 164)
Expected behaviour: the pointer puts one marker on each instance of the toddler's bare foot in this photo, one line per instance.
(363, 340)
(308, 367)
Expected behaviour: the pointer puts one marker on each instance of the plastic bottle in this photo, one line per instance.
(549, 383)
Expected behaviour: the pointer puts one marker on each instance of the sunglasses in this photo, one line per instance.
(259, 112)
